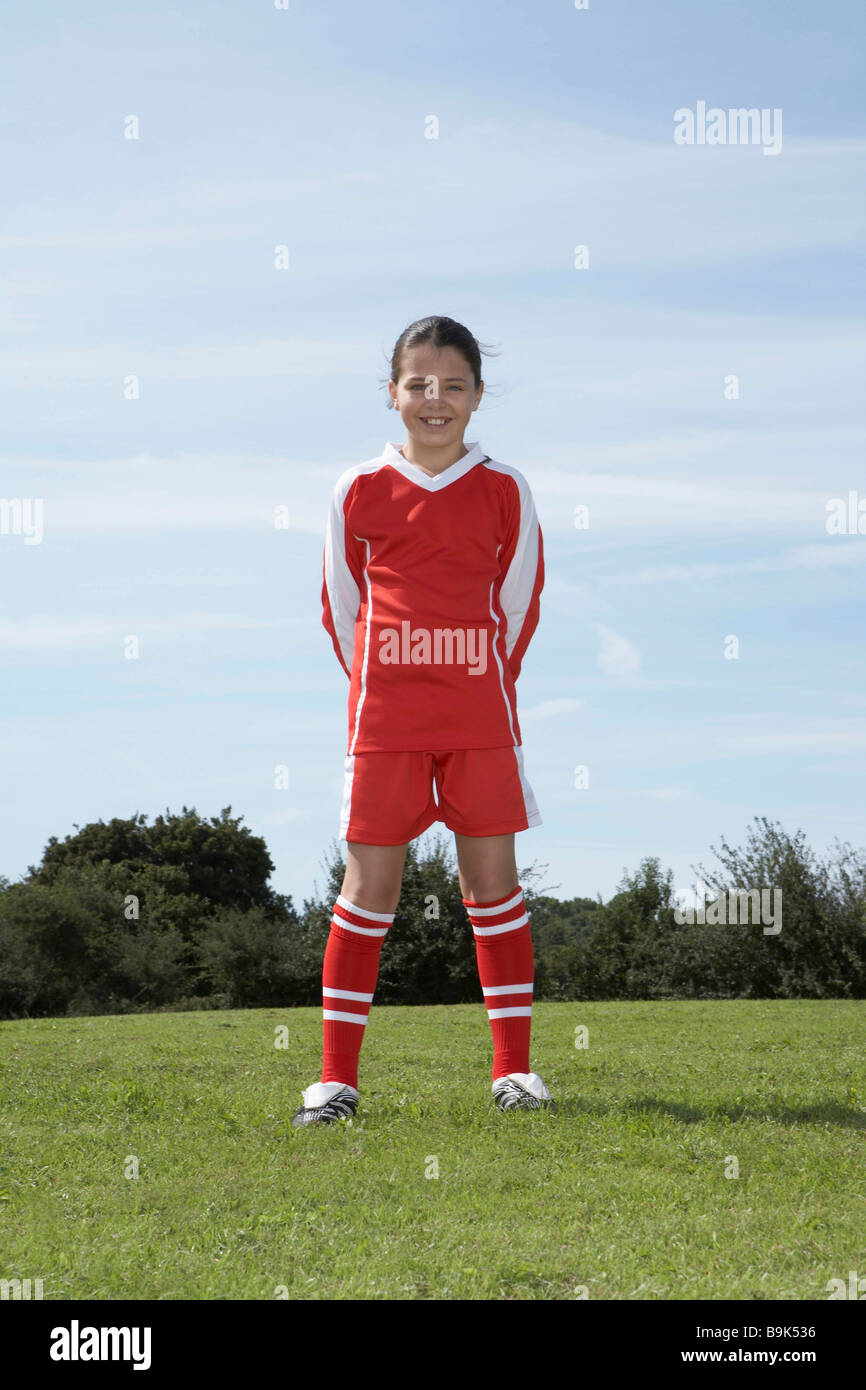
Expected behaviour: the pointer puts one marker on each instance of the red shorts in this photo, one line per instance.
(390, 798)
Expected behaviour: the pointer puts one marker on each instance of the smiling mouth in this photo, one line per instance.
(435, 420)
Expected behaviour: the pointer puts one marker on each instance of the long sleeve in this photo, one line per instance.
(342, 572)
(523, 563)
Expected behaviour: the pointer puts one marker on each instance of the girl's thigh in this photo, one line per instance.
(374, 875)
(487, 867)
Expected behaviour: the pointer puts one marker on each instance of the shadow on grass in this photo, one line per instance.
(831, 1112)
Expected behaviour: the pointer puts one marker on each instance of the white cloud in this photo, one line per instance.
(662, 793)
(283, 817)
(616, 500)
(52, 632)
(840, 551)
(214, 491)
(258, 360)
(696, 205)
(184, 492)
(550, 709)
(616, 657)
(830, 740)
(183, 509)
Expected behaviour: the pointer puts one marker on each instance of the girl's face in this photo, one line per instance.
(436, 394)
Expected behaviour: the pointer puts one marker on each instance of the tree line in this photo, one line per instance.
(125, 917)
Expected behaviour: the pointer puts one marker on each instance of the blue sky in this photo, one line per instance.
(305, 127)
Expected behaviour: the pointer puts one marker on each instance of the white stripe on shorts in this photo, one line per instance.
(533, 815)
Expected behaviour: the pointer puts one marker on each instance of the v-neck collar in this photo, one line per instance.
(391, 454)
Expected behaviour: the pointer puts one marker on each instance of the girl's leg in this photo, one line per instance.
(363, 912)
(503, 944)
(486, 866)
(374, 876)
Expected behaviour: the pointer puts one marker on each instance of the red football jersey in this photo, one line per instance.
(431, 594)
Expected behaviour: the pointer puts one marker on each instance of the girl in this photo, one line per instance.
(433, 567)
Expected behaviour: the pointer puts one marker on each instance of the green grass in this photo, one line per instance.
(622, 1191)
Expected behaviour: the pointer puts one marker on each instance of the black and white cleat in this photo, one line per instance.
(523, 1090)
(325, 1103)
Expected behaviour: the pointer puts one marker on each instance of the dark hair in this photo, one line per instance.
(439, 332)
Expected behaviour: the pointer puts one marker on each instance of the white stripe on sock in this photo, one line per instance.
(344, 1018)
(362, 931)
(504, 926)
(497, 910)
(347, 994)
(362, 911)
(506, 989)
(510, 1013)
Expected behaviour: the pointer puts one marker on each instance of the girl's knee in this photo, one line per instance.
(490, 890)
(372, 892)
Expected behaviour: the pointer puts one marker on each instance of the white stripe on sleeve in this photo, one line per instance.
(344, 596)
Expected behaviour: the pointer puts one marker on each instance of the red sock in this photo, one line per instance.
(506, 969)
(349, 974)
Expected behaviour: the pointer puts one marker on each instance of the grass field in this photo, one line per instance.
(622, 1193)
